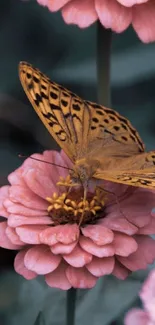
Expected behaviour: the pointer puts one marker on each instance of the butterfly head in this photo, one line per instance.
(82, 172)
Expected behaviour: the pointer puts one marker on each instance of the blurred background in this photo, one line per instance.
(29, 32)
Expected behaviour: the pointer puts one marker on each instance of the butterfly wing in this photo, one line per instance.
(63, 113)
(137, 170)
(81, 128)
(111, 134)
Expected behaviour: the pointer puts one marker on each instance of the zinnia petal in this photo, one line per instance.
(136, 317)
(99, 234)
(58, 278)
(56, 5)
(29, 199)
(80, 278)
(4, 191)
(30, 234)
(60, 248)
(100, 251)
(78, 257)
(101, 266)
(18, 220)
(147, 295)
(143, 21)
(113, 15)
(5, 241)
(124, 245)
(40, 259)
(144, 255)
(130, 3)
(20, 267)
(120, 271)
(81, 13)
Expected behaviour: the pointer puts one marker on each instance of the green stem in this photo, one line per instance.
(71, 306)
(104, 37)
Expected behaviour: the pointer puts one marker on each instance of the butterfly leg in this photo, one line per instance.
(84, 204)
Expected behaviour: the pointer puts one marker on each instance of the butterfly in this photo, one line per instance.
(100, 142)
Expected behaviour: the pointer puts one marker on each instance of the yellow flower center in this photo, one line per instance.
(69, 207)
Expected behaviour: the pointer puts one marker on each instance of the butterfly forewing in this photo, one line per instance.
(60, 110)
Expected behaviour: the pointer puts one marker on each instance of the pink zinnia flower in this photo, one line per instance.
(114, 14)
(44, 226)
(138, 316)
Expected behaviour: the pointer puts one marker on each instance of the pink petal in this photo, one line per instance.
(144, 255)
(49, 236)
(98, 233)
(137, 208)
(20, 267)
(43, 2)
(136, 316)
(101, 266)
(58, 278)
(12, 235)
(23, 195)
(15, 178)
(124, 245)
(78, 257)
(30, 234)
(148, 229)
(39, 183)
(147, 295)
(57, 158)
(100, 251)
(22, 210)
(113, 15)
(143, 21)
(65, 234)
(130, 3)
(4, 193)
(60, 248)
(120, 271)
(55, 5)
(4, 240)
(81, 13)
(114, 222)
(41, 260)
(80, 278)
(18, 220)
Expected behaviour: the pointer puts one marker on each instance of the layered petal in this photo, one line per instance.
(81, 13)
(50, 239)
(113, 15)
(143, 21)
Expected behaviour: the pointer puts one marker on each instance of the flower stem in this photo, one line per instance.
(71, 305)
(104, 37)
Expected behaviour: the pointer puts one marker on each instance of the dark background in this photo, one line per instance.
(67, 54)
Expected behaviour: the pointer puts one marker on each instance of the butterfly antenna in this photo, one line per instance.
(44, 161)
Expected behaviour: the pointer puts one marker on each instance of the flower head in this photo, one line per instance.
(114, 14)
(147, 294)
(71, 242)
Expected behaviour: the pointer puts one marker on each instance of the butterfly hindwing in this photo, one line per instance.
(137, 171)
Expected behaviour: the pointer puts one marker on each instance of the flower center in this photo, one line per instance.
(69, 207)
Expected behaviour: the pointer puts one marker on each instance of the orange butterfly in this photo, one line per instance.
(100, 142)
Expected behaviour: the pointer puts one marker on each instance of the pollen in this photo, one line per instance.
(70, 207)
